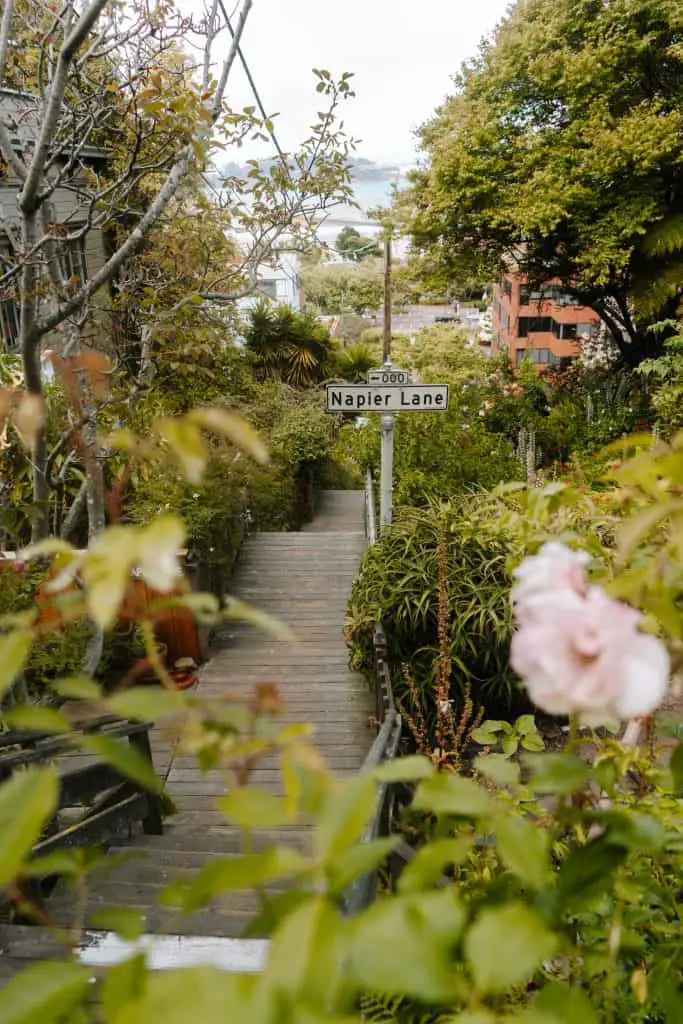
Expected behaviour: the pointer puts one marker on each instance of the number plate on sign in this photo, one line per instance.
(390, 377)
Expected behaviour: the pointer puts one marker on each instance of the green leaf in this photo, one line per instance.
(305, 955)
(61, 862)
(452, 794)
(533, 742)
(525, 724)
(359, 860)
(234, 427)
(126, 759)
(253, 807)
(345, 813)
(505, 945)
(127, 922)
(106, 572)
(37, 719)
(146, 703)
(27, 802)
(510, 745)
(14, 651)
(44, 993)
(484, 738)
(77, 688)
(402, 946)
(405, 769)
(250, 871)
(498, 768)
(203, 994)
(243, 612)
(565, 1005)
(188, 446)
(588, 872)
(676, 769)
(558, 773)
(470, 1017)
(431, 861)
(523, 849)
(123, 983)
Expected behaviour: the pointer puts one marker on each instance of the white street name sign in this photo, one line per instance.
(389, 376)
(389, 398)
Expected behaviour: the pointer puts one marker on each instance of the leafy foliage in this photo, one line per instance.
(398, 585)
(288, 346)
(352, 245)
(558, 136)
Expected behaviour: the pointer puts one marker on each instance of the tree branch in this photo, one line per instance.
(29, 194)
(5, 29)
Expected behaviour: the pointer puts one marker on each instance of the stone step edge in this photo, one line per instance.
(99, 949)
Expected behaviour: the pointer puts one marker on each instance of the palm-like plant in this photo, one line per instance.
(288, 346)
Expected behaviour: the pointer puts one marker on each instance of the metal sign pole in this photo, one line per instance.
(386, 481)
(386, 486)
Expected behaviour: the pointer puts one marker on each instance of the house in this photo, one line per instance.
(279, 283)
(544, 324)
(74, 258)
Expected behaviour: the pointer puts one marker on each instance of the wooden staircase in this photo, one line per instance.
(303, 580)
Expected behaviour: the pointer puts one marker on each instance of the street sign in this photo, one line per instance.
(389, 376)
(387, 398)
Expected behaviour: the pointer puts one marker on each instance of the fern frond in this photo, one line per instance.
(380, 1009)
(665, 237)
(651, 295)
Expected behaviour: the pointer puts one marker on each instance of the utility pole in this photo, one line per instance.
(386, 335)
(388, 421)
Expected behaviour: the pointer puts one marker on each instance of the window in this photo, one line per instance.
(586, 330)
(527, 325)
(507, 286)
(566, 332)
(71, 256)
(524, 294)
(9, 324)
(9, 307)
(538, 356)
(267, 288)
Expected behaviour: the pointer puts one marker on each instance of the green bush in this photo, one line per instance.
(283, 344)
(398, 585)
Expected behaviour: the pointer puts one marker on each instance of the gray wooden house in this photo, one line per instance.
(65, 213)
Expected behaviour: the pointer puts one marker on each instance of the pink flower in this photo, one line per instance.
(590, 659)
(555, 574)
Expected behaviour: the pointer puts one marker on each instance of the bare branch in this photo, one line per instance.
(5, 29)
(29, 198)
(230, 59)
(10, 155)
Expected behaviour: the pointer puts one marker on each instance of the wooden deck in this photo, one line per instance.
(302, 579)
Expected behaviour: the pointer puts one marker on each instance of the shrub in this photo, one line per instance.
(398, 585)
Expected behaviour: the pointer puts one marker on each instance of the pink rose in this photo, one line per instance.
(556, 573)
(590, 659)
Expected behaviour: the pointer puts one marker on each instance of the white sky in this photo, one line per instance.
(403, 55)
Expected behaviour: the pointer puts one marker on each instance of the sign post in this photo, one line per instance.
(386, 477)
(388, 391)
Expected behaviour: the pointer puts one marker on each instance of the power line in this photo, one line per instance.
(252, 84)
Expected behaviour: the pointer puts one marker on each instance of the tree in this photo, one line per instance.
(334, 289)
(561, 151)
(286, 345)
(95, 76)
(352, 245)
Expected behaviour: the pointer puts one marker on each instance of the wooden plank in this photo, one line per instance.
(304, 579)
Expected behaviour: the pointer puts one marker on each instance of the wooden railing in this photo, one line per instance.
(96, 801)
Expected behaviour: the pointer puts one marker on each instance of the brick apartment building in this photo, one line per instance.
(542, 324)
